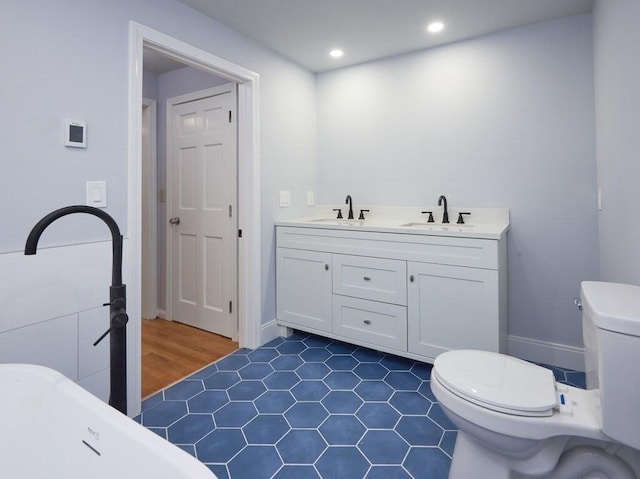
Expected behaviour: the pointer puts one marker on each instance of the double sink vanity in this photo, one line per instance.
(394, 281)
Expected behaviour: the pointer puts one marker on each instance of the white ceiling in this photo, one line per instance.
(305, 30)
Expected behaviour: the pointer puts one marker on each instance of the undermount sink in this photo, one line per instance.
(438, 226)
(336, 221)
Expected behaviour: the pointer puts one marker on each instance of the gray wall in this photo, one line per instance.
(504, 120)
(72, 62)
(617, 76)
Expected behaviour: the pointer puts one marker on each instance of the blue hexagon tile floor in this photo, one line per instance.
(309, 407)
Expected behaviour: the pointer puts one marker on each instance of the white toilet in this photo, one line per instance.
(515, 421)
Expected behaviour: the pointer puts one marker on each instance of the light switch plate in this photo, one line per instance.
(97, 194)
(285, 199)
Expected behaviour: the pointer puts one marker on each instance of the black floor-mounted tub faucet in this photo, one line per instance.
(117, 299)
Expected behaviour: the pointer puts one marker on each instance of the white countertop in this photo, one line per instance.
(485, 223)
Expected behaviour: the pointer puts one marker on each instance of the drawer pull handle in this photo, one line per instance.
(326, 267)
(367, 278)
(367, 321)
(411, 278)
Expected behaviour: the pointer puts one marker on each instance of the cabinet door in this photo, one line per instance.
(451, 307)
(304, 288)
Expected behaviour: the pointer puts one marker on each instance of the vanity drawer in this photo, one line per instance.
(377, 279)
(377, 324)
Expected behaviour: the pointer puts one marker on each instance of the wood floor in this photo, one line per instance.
(172, 351)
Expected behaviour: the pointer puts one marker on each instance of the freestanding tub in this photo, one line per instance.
(51, 427)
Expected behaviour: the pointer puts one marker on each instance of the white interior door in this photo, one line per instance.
(203, 211)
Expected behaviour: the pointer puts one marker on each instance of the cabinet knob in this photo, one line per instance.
(411, 278)
(326, 267)
(367, 278)
(367, 321)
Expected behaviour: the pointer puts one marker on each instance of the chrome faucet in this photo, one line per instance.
(349, 202)
(117, 299)
(445, 215)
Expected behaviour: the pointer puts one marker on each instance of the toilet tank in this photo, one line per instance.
(611, 330)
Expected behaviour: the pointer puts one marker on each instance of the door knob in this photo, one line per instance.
(175, 220)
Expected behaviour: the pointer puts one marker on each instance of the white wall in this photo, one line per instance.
(617, 76)
(70, 60)
(504, 120)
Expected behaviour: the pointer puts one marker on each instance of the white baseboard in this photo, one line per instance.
(269, 331)
(554, 354)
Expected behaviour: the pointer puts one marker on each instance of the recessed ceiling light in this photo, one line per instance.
(336, 53)
(435, 27)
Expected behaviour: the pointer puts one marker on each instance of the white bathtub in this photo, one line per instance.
(51, 427)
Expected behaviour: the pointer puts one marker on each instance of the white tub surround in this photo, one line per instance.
(395, 282)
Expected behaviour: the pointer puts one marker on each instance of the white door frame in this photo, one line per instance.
(249, 293)
(171, 102)
(149, 299)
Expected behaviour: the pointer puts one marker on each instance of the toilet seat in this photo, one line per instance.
(498, 382)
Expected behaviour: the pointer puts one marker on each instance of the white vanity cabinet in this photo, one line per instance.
(415, 295)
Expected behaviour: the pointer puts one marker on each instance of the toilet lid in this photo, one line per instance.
(498, 382)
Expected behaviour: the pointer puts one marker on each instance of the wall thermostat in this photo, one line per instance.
(75, 134)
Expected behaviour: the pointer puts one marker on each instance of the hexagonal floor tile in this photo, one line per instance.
(315, 354)
(221, 380)
(310, 390)
(255, 462)
(338, 347)
(297, 472)
(246, 390)
(291, 347)
(313, 371)
(342, 462)
(273, 402)
(374, 390)
(342, 402)
(301, 446)
(440, 418)
(183, 390)
(164, 414)
(342, 430)
(437, 460)
(263, 355)
(208, 401)
(233, 362)
(235, 414)
(266, 429)
(419, 431)
(366, 355)
(388, 472)
(383, 447)
(396, 363)
(286, 362)
(220, 445)
(190, 429)
(306, 415)
(409, 402)
(403, 381)
(370, 371)
(378, 415)
(281, 380)
(341, 380)
(255, 371)
(341, 363)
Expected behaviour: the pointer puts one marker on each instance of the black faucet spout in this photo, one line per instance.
(442, 201)
(117, 298)
(349, 202)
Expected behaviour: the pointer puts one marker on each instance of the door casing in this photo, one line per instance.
(249, 276)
